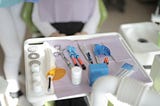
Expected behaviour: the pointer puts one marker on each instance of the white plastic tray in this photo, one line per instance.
(63, 87)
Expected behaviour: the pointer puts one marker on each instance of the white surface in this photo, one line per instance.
(35, 67)
(131, 92)
(3, 85)
(35, 87)
(144, 51)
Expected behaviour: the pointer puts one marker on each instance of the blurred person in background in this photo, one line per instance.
(61, 18)
(12, 33)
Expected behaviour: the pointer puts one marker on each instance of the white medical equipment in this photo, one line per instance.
(131, 91)
(36, 61)
(143, 39)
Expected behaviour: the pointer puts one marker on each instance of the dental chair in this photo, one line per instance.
(27, 17)
(103, 14)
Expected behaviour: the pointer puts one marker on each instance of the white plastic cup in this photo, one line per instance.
(36, 76)
(37, 86)
(35, 67)
(76, 74)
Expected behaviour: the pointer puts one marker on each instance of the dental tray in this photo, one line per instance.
(36, 84)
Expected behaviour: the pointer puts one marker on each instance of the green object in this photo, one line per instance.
(110, 104)
(26, 16)
(157, 84)
(49, 103)
(103, 13)
(159, 38)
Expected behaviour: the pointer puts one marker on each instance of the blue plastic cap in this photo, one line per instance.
(127, 66)
(101, 50)
(96, 71)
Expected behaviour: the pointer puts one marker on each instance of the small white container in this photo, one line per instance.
(35, 67)
(76, 74)
(37, 87)
(36, 76)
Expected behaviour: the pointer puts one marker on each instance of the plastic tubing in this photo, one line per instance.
(126, 90)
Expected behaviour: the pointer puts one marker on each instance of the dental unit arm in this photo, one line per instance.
(128, 90)
(155, 18)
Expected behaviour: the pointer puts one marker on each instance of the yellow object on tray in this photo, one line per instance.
(57, 73)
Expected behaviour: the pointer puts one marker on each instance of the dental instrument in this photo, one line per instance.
(60, 52)
(102, 50)
(127, 69)
(73, 54)
(86, 53)
(50, 75)
(106, 60)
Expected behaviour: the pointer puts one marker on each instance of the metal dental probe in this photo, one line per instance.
(60, 52)
(85, 53)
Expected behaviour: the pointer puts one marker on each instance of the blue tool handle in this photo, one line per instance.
(89, 58)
